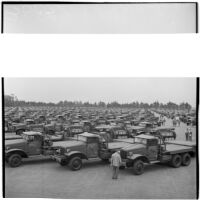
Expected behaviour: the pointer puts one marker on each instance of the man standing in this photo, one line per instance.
(190, 135)
(115, 163)
(187, 134)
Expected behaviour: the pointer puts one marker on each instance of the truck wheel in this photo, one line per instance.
(138, 167)
(176, 161)
(15, 160)
(64, 162)
(186, 159)
(75, 163)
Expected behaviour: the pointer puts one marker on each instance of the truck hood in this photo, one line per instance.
(66, 144)
(12, 137)
(15, 144)
(135, 146)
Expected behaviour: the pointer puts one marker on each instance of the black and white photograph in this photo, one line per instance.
(100, 138)
(100, 99)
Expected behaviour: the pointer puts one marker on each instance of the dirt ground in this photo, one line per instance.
(46, 178)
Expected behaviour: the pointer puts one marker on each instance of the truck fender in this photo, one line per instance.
(17, 151)
(139, 156)
(76, 153)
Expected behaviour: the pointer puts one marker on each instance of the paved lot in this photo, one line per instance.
(45, 178)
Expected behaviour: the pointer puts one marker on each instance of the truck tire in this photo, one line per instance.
(176, 161)
(186, 159)
(138, 167)
(75, 163)
(63, 162)
(15, 160)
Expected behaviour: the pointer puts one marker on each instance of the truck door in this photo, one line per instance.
(92, 147)
(152, 149)
(34, 145)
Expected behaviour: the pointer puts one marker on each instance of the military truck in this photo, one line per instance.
(167, 133)
(148, 149)
(84, 146)
(73, 130)
(31, 144)
(18, 128)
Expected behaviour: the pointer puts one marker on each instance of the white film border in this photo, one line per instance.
(100, 18)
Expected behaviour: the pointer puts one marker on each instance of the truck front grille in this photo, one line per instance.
(123, 154)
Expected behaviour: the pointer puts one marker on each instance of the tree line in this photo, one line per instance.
(13, 101)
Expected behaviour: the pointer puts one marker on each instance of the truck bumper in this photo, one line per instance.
(57, 158)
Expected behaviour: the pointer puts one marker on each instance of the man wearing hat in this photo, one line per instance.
(115, 163)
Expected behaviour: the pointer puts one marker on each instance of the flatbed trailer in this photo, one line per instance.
(182, 146)
(177, 149)
(184, 143)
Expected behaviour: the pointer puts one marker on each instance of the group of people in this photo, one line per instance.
(188, 134)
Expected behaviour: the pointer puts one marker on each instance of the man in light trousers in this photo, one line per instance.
(115, 163)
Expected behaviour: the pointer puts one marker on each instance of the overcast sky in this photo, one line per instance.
(100, 18)
(122, 90)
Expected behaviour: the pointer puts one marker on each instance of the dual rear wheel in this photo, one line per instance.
(178, 160)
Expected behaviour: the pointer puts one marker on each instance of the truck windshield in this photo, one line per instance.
(140, 140)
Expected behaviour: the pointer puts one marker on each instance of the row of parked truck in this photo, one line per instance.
(135, 152)
(146, 146)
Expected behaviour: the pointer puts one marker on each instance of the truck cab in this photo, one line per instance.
(144, 145)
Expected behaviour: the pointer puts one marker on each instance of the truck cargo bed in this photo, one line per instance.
(184, 143)
(177, 148)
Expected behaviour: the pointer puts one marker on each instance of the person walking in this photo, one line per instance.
(115, 163)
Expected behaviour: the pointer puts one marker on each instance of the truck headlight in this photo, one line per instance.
(67, 150)
(130, 153)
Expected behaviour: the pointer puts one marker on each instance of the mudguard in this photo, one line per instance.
(138, 156)
(19, 151)
(76, 153)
